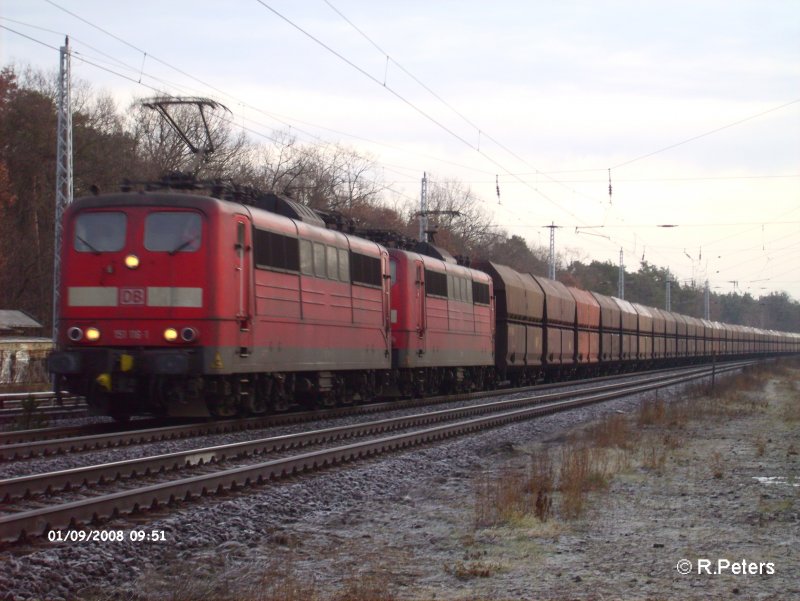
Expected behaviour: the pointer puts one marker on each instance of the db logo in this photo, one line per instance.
(131, 296)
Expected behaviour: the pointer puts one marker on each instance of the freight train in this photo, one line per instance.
(187, 299)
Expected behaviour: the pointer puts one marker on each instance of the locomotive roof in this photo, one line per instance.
(441, 265)
(148, 199)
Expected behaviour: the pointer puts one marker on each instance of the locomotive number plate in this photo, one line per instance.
(131, 296)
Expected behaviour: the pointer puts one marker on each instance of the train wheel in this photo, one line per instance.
(249, 398)
(221, 399)
(98, 400)
(275, 390)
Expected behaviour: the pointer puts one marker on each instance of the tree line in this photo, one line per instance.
(112, 145)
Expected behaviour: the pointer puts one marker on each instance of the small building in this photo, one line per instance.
(23, 355)
(18, 323)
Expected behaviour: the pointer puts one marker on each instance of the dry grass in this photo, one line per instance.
(467, 570)
(515, 492)
(367, 586)
(611, 431)
(653, 456)
(717, 464)
(583, 469)
(31, 416)
(270, 580)
(791, 411)
(761, 446)
(616, 443)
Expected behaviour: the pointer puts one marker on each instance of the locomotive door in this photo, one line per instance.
(243, 273)
(420, 309)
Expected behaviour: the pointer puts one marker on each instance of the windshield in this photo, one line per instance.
(173, 232)
(100, 232)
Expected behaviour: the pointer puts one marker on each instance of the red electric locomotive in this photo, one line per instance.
(175, 303)
(442, 323)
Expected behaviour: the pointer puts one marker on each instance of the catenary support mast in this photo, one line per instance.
(63, 173)
(423, 209)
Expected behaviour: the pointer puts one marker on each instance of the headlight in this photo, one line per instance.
(92, 334)
(170, 334)
(75, 334)
(131, 261)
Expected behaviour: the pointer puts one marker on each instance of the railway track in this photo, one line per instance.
(181, 482)
(21, 444)
(17, 406)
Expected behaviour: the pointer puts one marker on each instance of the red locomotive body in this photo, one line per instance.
(195, 303)
(442, 324)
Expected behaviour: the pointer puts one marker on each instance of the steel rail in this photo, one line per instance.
(47, 395)
(9, 415)
(39, 521)
(24, 444)
(27, 486)
(266, 421)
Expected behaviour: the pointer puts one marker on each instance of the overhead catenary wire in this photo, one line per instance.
(79, 56)
(406, 101)
(707, 133)
(279, 118)
(480, 132)
(138, 70)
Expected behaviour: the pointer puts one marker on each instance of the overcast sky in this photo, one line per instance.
(694, 106)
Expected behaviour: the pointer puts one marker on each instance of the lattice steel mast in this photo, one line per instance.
(63, 173)
(423, 209)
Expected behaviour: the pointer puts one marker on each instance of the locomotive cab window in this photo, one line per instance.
(333, 262)
(480, 293)
(172, 231)
(344, 265)
(435, 283)
(103, 231)
(306, 258)
(275, 251)
(319, 260)
(365, 270)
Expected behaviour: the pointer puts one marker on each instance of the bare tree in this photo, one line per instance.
(330, 177)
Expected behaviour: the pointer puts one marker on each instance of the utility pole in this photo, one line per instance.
(668, 305)
(707, 303)
(63, 173)
(423, 209)
(551, 271)
(621, 280)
